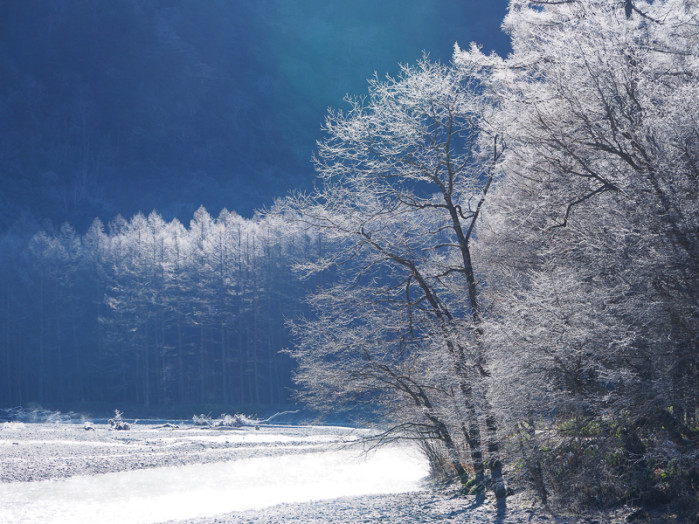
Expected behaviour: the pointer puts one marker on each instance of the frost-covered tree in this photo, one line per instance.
(591, 239)
(149, 312)
(403, 176)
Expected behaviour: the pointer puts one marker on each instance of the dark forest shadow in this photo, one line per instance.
(478, 501)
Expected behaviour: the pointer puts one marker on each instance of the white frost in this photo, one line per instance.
(185, 492)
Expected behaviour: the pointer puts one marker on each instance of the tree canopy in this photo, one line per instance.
(517, 240)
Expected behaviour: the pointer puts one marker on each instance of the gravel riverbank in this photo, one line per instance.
(34, 452)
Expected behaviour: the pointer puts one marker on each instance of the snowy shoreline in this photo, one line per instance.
(35, 456)
(44, 451)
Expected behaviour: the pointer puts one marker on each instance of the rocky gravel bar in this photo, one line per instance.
(42, 451)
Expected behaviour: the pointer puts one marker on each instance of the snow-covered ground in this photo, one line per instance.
(64, 473)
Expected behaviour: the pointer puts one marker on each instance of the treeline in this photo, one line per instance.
(145, 312)
(519, 240)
